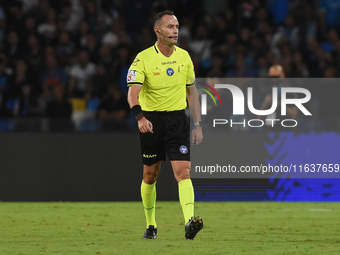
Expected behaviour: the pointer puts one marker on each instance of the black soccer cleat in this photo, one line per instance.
(194, 225)
(150, 233)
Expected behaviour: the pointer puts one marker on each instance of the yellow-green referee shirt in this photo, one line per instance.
(163, 79)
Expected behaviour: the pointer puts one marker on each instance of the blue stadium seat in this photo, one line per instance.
(12, 104)
(93, 104)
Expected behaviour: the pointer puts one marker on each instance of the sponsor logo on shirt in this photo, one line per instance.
(169, 63)
(132, 74)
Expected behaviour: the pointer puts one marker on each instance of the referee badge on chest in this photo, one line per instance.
(170, 71)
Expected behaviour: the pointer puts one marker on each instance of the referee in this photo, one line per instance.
(160, 79)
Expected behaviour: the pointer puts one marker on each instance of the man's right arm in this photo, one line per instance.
(144, 125)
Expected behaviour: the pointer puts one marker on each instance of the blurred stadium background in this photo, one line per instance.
(66, 130)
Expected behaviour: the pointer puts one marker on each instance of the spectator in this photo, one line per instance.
(309, 26)
(114, 105)
(288, 33)
(92, 47)
(287, 65)
(14, 49)
(30, 26)
(247, 11)
(61, 26)
(100, 81)
(320, 60)
(64, 49)
(262, 67)
(80, 75)
(105, 55)
(184, 35)
(84, 31)
(42, 11)
(241, 69)
(220, 28)
(34, 54)
(147, 39)
(72, 15)
(91, 15)
(28, 5)
(59, 107)
(52, 76)
(279, 10)
(136, 15)
(200, 46)
(277, 75)
(49, 50)
(23, 76)
(111, 37)
(97, 19)
(232, 38)
(270, 58)
(331, 72)
(49, 29)
(15, 20)
(329, 13)
(262, 19)
(183, 43)
(337, 54)
(245, 37)
(257, 48)
(299, 68)
(267, 33)
(332, 39)
(28, 102)
(216, 69)
(2, 25)
(4, 83)
(285, 51)
(121, 65)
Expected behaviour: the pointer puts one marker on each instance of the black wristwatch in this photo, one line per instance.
(139, 115)
(198, 123)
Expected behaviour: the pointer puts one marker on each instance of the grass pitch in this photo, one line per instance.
(117, 228)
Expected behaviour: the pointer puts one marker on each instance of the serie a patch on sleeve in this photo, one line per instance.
(132, 75)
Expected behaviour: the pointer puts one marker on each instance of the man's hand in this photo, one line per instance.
(196, 136)
(145, 126)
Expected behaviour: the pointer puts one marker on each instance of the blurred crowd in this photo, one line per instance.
(54, 50)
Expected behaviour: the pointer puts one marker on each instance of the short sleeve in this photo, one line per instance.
(191, 74)
(136, 72)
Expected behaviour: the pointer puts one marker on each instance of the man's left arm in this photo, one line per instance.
(194, 105)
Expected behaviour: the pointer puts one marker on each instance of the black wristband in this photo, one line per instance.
(137, 111)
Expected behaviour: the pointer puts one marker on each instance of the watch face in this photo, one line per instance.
(139, 116)
(198, 123)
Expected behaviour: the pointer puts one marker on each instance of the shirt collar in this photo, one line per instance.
(158, 51)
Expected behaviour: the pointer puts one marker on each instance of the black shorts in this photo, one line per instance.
(170, 136)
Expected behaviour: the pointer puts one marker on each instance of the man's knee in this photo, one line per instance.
(150, 178)
(182, 174)
(151, 173)
(181, 170)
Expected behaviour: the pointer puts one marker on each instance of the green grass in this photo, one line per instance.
(117, 228)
